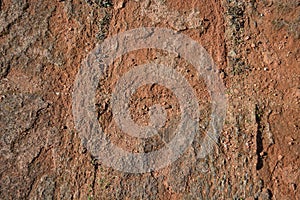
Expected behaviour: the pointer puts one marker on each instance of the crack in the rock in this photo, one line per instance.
(259, 142)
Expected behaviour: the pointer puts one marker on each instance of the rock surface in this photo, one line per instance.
(255, 45)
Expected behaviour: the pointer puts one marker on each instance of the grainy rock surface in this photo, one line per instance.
(255, 45)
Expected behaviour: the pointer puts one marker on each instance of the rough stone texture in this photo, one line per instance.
(255, 45)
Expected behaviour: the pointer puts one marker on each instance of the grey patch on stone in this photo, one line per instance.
(45, 189)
